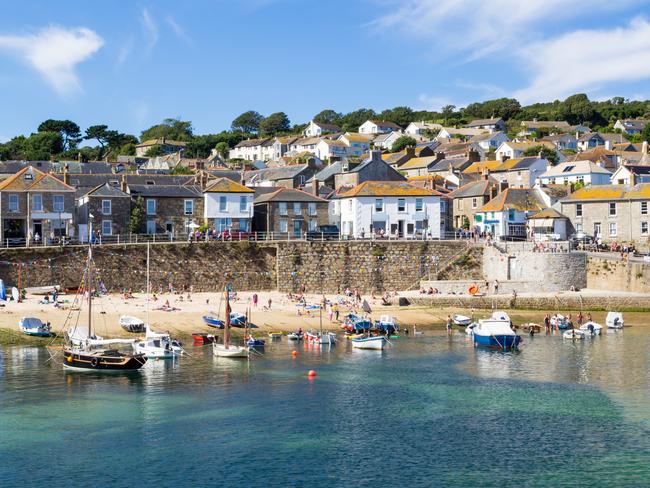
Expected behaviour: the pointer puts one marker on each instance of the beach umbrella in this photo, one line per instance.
(3, 291)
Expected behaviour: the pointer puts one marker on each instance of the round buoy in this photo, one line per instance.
(312, 373)
(294, 353)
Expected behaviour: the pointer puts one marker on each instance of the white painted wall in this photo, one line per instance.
(212, 211)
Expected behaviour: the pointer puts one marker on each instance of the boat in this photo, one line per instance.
(33, 326)
(202, 338)
(295, 336)
(496, 334)
(469, 330)
(459, 319)
(132, 324)
(370, 342)
(501, 316)
(320, 337)
(387, 324)
(83, 350)
(614, 320)
(275, 335)
(211, 321)
(356, 324)
(574, 334)
(158, 345)
(591, 328)
(42, 290)
(253, 342)
(227, 350)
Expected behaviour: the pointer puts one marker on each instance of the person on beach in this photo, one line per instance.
(547, 324)
(254, 299)
(335, 308)
(270, 301)
(496, 287)
(449, 324)
(579, 318)
(588, 316)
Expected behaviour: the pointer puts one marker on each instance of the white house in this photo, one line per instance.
(386, 141)
(304, 144)
(569, 172)
(631, 126)
(253, 150)
(490, 141)
(511, 150)
(358, 144)
(452, 133)
(228, 205)
(419, 128)
(378, 127)
(493, 124)
(631, 174)
(390, 208)
(327, 149)
(504, 217)
(317, 129)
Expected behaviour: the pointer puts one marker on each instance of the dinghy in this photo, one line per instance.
(275, 335)
(614, 320)
(33, 326)
(591, 328)
(158, 345)
(372, 342)
(574, 334)
(132, 324)
(320, 338)
(459, 319)
(295, 336)
(211, 321)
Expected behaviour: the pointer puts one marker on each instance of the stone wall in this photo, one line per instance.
(616, 274)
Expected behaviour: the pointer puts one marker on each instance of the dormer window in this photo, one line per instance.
(150, 182)
(29, 176)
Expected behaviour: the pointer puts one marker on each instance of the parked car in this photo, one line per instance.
(580, 238)
(237, 235)
(323, 232)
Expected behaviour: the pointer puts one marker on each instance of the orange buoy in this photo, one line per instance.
(312, 373)
(294, 353)
(473, 290)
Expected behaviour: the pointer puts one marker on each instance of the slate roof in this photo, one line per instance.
(161, 142)
(252, 142)
(473, 189)
(386, 124)
(328, 171)
(480, 122)
(518, 164)
(548, 213)
(226, 185)
(387, 189)
(165, 191)
(575, 168)
(107, 190)
(458, 164)
(521, 199)
(287, 195)
(32, 179)
(538, 124)
(636, 124)
(274, 174)
(328, 127)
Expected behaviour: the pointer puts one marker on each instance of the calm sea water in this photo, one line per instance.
(430, 411)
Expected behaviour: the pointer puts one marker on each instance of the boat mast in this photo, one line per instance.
(89, 287)
(226, 327)
(148, 285)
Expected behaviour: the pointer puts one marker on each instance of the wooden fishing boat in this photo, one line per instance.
(202, 338)
(227, 350)
(370, 342)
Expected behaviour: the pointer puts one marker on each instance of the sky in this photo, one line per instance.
(131, 64)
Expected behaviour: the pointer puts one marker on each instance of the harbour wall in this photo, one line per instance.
(369, 266)
(616, 274)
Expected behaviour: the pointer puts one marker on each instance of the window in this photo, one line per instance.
(401, 205)
(419, 205)
(644, 228)
(312, 224)
(106, 207)
(612, 209)
(379, 205)
(597, 229)
(312, 208)
(474, 202)
(243, 204)
(13, 203)
(578, 228)
(284, 225)
(58, 203)
(511, 214)
(151, 226)
(283, 208)
(579, 210)
(151, 208)
(644, 208)
(189, 207)
(297, 208)
(223, 204)
(107, 227)
(243, 225)
(443, 206)
(37, 203)
(612, 229)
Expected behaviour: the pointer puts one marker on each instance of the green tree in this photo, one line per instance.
(275, 123)
(547, 153)
(136, 222)
(181, 170)
(402, 116)
(172, 129)
(403, 142)
(13, 149)
(154, 151)
(222, 149)
(352, 120)
(248, 122)
(577, 109)
(448, 112)
(41, 146)
(328, 116)
(506, 108)
(100, 133)
(645, 133)
(70, 132)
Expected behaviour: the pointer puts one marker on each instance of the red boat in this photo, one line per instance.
(201, 338)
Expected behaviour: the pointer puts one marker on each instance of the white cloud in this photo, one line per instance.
(55, 52)
(585, 60)
(433, 103)
(177, 29)
(150, 28)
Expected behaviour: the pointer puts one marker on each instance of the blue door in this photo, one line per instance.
(297, 228)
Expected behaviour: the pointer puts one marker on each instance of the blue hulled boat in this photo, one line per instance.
(211, 321)
(495, 334)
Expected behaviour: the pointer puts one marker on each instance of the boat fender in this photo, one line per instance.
(94, 362)
(69, 358)
(473, 290)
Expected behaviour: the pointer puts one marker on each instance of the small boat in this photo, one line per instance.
(33, 326)
(132, 324)
(202, 338)
(496, 334)
(591, 328)
(501, 316)
(275, 335)
(387, 324)
(253, 342)
(614, 320)
(469, 330)
(238, 319)
(295, 336)
(158, 345)
(459, 319)
(227, 350)
(320, 338)
(370, 342)
(356, 323)
(42, 290)
(211, 321)
(574, 334)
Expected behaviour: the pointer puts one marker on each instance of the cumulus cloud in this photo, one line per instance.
(586, 59)
(55, 52)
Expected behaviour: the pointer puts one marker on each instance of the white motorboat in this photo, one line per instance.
(295, 336)
(33, 326)
(459, 319)
(496, 334)
(501, 316)
(157, 345)
(132, 324)
(372, 342)
(591, 328)
(320, 337)
(574, 334)
(614, 320)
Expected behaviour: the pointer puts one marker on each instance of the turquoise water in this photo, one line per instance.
(430, 411)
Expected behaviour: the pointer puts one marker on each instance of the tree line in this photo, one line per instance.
(62, 139)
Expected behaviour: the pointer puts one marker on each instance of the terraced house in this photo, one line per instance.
(611, 212)
(34, 205)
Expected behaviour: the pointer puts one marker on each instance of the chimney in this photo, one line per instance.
(314, 186)
(440, 155)
(123, 184)
(503, 157)
(608, 144)
(644, 147)
(375, 155)
(494, 191)
(473, 155)
(410, 151)
(577, 135)
(502, 186)
(242, 178)
(632, 177)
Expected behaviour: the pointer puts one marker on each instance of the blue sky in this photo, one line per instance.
(132, 64)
